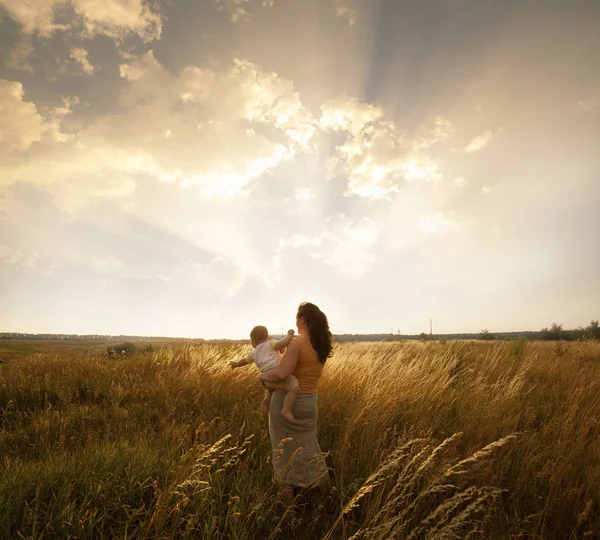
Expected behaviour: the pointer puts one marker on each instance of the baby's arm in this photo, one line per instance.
(239, 363)
(284, 342)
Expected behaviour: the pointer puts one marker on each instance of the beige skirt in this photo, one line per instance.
(297, 457)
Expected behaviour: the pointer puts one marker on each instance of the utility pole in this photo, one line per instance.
(430, 328)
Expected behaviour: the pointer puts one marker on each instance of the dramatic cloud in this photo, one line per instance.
(349, 115)
(212, 130)
(34, 149)
(241, 121)
(81, 57)
(113, 18)
(375, 157)
(20, 122)
(72, 171)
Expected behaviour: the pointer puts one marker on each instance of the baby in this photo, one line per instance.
(265, 355)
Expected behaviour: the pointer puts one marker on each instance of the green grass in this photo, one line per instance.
(171, 444)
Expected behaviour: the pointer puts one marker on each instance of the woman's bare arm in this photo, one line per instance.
(286, 366)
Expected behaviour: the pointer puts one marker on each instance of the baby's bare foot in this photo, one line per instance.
(288, 416)
(265, 406)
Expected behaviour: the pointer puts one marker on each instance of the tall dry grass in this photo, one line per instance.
(425, 440)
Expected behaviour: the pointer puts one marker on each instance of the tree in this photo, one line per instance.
(486, 335)
(556, 332)
(594, 330)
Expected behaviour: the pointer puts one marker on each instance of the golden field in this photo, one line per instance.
(425, 440)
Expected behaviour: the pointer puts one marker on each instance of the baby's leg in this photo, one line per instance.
(288, 403)
(267, 401)
(291, 386)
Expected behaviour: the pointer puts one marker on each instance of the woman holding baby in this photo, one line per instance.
(297, 458)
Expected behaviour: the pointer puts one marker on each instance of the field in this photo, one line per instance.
(425, 440)
(15, 348)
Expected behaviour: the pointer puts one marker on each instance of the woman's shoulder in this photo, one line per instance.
(303, 343)
(300, 340)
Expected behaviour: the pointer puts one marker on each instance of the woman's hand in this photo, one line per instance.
(286, 366)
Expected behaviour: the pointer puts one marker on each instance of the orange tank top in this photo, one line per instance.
(308, 369)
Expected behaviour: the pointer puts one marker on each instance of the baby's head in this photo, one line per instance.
(259, 335)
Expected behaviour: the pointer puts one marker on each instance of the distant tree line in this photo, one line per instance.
(554, 333)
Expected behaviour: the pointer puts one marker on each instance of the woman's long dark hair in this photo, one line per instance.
(318, 326)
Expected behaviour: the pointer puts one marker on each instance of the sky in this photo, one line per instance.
(194, 168)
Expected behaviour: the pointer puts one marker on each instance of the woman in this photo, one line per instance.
(297, 457)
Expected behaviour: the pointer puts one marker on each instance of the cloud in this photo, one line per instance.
(210, 130)
(437, 223)
(242, 121)
(75, 170)
(81, 57)
(479, 142)
(242, 9)
(461, 182)
(117, 18)
(349, 115)
(442, 131)
(113, 18)
(374, 157)
(341, 245)
(34, 149)
(21, 124)
(235, 9)
(35, 16)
